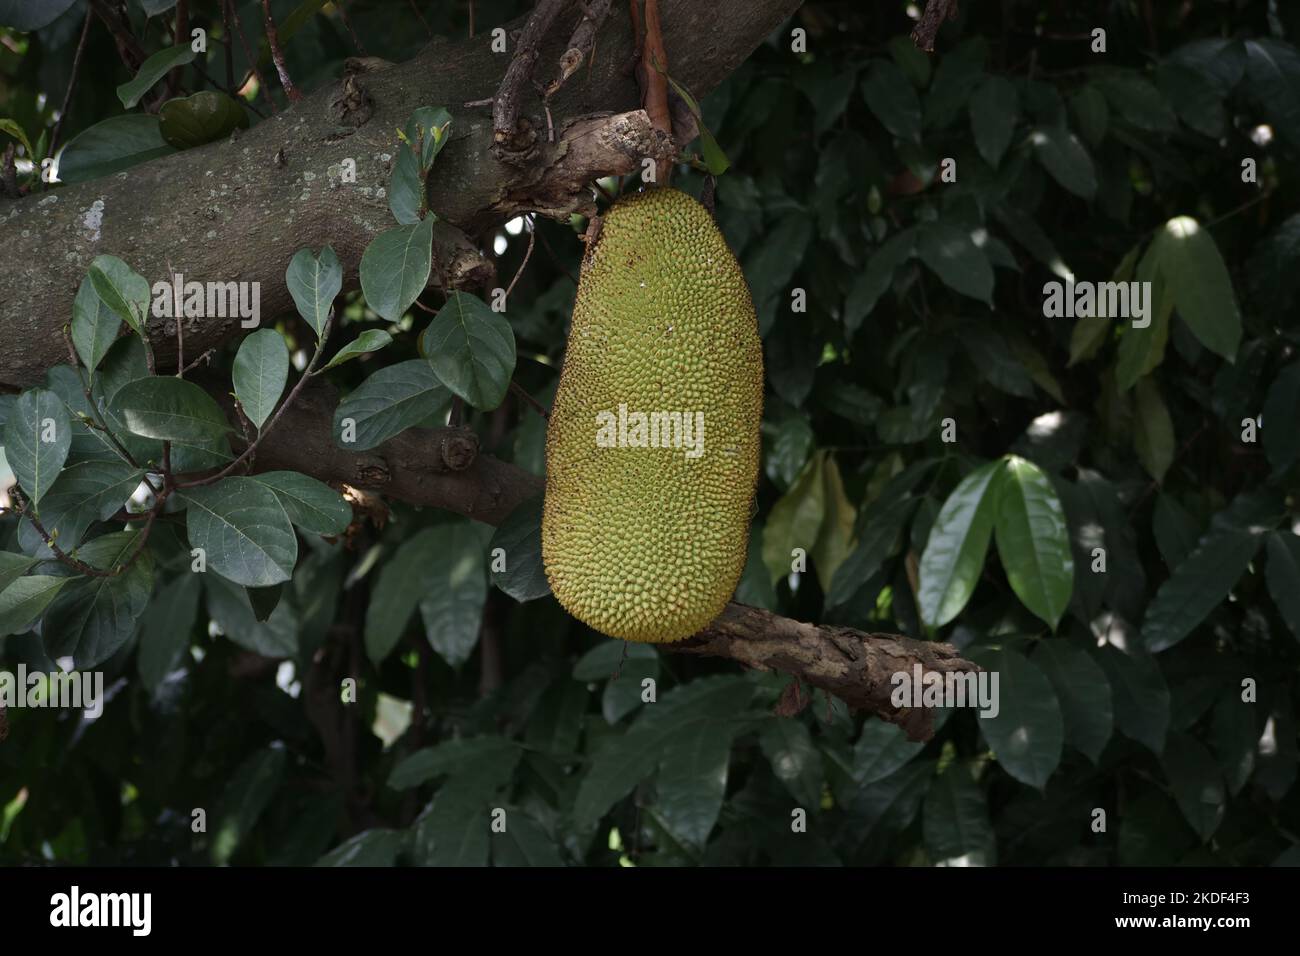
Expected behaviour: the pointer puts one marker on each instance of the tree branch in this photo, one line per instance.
(229, 211)
(442, 468)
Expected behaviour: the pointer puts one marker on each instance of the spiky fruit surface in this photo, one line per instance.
(648, 543)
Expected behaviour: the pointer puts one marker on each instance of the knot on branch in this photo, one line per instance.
(457, 448)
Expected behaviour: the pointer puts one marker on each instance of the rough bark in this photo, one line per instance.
(233, 211)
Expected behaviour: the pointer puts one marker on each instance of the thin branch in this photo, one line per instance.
(505, 107)
(347, 25)
(252, 60)
(532, 239)
(556, 259)
(72, 84)
(82, 566)
(652, 71)
(250, 452)
(936, 12)
(581, 43)
(277, 55)
(537, 406)
(416, 8)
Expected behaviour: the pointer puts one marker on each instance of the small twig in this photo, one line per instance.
(82, 566)
(277, 55)
(471, 19)
(252, 60)
(652, 71)
(537, 406)
(415, 7)
(97, 422)
(347, 25)
(228, 90)
(532, 239)
(227, 43)
(72, 85)
(180, 34)
(251, 450)
(556, 259)
(205, 357)
(581, 43)
(474, 104)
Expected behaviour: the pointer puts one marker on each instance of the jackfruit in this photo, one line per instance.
(646, 513)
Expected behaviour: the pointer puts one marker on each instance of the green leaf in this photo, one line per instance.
(395, 268)
(1281, 413)
(13, 566)
(26, 599)
(1064, 157)
(229, 606)
(313, 283)
(471, 349)
(244, 531)
(876, 544)
(13, 129)
(955, 819)
(1153, 432)
(27, 15)
(519, 541)
(122, 290)
(406, 188)
(1034, 540)
(310, 504)
(692, 782)
(524, 843)
(371, 340)
(872, 283)
(1140, 695)
(167, 629)
(390, 401)
(795, 520)
(452, 609)
(911, 60)
(1197, 783)
(714, 158)
(604, 660)
(204, 117)
(170, 409)
(952, 255)
(1091, 113)
(791, 445)
(428, 127)
(1194, 273)
(86, 492)
(442, 569)
(37, 437)
(1135, 99)
(892, 98)
(259, 374)
(1284, 577)
(881, 750)
(94, 325)
(1027, 733)
(495, 757)
(680, 714)
(90, 621)
(1083, 692)
(369, 848)
(246, 797)
(111, 146)
(1198, 586)
(954, 552)
(788, 746)
(994, 108)
(152, 70)
(834, 540)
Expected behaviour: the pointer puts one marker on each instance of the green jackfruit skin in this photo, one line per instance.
(644, 543)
